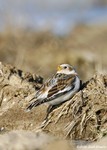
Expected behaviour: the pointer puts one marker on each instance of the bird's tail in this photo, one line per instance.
(33, 104)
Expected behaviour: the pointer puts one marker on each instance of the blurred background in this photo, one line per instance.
(38, 35)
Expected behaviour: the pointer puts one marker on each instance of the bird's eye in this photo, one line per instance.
(65, 67)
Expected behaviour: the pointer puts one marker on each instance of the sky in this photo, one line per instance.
(60, 16)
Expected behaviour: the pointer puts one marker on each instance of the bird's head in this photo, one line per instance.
(66, 69)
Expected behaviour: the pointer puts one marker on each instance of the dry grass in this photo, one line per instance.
(85, 48)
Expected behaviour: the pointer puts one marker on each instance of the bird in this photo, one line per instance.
(60, 88)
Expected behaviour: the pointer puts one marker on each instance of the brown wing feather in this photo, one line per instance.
(61, 84)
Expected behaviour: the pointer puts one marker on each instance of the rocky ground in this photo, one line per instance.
(81, 118)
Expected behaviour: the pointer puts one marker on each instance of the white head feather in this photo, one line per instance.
(66, 69)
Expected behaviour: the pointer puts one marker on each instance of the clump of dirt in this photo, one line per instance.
(16, 85)
(84, 117)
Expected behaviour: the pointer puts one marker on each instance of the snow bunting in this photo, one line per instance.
(60, 88)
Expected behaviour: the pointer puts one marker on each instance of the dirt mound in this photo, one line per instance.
(84, 117)
(15, 85)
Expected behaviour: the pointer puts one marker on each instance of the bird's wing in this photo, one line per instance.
(46, 87)
(62, 86)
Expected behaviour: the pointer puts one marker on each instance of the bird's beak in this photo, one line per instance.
(59, 68)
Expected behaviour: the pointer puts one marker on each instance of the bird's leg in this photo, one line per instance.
(49, 110)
